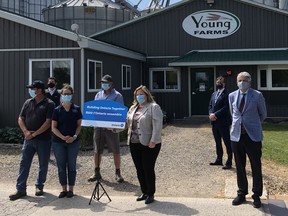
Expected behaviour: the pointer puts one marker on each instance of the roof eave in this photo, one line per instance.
(188, 64)
(110, 49)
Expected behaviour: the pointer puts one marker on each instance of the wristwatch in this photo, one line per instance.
(75, 136)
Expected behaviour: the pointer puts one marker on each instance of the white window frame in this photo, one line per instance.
(127, 78)
(88, 78)
(269, 69)
(151, 70)
(51, 71)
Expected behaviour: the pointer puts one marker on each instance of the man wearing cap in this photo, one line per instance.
(107, 136)
(35, 121)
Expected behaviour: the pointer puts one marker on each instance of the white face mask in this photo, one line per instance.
(243, 85)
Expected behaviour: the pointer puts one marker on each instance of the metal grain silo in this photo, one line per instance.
(283, 4)
(29, 8)
(91, 15)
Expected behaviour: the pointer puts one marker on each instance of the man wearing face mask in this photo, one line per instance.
(52, 92)
(35, 121)
(220, 119)
(248, 110)
(107, 136)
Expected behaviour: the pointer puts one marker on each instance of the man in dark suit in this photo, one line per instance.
(220, 119)
(248, 110)
(52, 93)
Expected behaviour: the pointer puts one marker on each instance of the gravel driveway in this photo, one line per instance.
(182, 168)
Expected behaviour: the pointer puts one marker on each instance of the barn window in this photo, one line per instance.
(126, 77)
(94, 74)
(42, 69)
(273, 77)
(164, 79)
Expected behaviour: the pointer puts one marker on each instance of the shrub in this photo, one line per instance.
(11, 135)
(123, 135)
(86, 138)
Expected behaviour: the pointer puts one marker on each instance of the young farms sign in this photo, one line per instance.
(211, 24)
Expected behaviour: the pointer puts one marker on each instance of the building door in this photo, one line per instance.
(202, 86)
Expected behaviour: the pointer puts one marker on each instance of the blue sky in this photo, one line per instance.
(145, 3)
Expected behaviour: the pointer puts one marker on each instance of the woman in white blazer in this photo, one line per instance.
(145, 122)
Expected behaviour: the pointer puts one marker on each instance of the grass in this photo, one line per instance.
(275, 143)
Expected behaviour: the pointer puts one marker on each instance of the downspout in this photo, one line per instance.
(82, 95)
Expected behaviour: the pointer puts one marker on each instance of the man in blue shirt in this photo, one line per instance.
(107, 136)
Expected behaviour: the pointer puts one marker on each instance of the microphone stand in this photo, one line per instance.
(96, 192)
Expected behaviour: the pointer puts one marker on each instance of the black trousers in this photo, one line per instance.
(144, 159)
(222, 132)
(244, 147)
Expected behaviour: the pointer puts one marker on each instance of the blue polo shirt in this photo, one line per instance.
(113, 95)
(66, 121)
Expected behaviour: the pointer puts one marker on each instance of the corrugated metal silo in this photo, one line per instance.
(29, 8)
(91, 15)
(283, 4)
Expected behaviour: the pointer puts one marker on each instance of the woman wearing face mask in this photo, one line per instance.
(144, 122)
(66, 126)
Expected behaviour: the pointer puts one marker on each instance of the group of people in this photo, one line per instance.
(50, 110)
(38, 117)
(237, 119)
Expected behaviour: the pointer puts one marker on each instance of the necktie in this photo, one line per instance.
(242, 103)
(217, 95)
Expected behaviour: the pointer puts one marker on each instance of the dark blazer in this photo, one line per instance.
(55, 97)
(220, 108)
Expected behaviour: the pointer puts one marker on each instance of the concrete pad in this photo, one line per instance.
(79, 205)
(231, 188)
(277, 208)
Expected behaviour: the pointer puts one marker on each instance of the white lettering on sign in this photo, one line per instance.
(211, 24)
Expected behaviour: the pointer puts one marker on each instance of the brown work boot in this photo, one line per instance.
(118, 176)
(95, 176)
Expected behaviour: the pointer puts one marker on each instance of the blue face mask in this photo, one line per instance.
(32, 93)
(66, 98)
(140, 98)
(243, 85)
(105, 86)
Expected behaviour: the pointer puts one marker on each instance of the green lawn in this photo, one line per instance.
(275, 143)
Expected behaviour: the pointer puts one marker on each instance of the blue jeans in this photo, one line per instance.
(66, 155)
(30, 147)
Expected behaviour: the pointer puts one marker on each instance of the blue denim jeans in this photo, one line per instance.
(66, 155)
(30, 147)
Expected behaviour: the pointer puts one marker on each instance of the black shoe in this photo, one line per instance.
(216, 163)
(256, 202)
(142, 197)
(62, 194)
(149, 199)
(95, 176)
(239, 200)
(118, 176)
(227, 167)
(39, 192)
(70, 194)
(17, 195)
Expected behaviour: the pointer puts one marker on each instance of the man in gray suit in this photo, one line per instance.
(248, 110)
